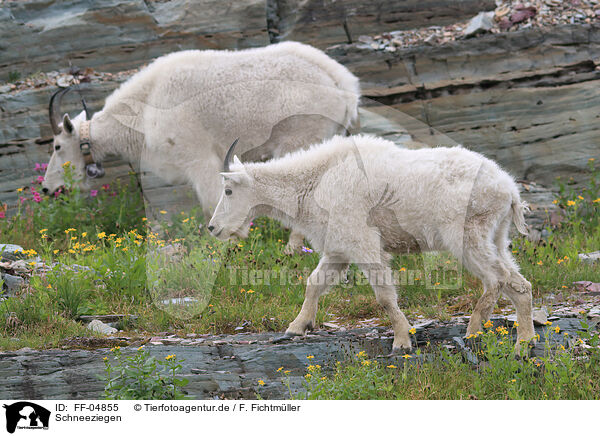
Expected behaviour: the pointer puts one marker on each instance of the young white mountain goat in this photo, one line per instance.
(360, 199)
(176, 116)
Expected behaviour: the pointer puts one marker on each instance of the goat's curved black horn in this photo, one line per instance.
(54, 108)
(88, 114)
(228, 156)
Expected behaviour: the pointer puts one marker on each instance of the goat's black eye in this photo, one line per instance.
(228, 191)
(56, 147)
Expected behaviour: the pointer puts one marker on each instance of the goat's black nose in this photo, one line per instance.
(45, 190)
(211, 228)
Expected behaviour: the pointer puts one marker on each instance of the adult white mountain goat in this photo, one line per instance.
(177, 115)
(359, 199)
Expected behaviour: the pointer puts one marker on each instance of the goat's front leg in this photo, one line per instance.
(294, 243)
(327, 273)
(381, 279)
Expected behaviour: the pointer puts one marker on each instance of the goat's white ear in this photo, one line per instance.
(237, 177)
(81, 116)
(236, 160)
(67, 124)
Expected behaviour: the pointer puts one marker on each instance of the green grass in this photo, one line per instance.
(435, 373)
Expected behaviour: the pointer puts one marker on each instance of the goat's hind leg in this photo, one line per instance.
(516, 287)
(518, 291)
(481, 259)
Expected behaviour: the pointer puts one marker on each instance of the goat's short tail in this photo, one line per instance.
(518, 214)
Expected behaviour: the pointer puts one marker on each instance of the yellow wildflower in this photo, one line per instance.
(366, 362)
(19, 189)
(488, 324)
(392, 366)
(101, 235)
(144, 219)
(84, 234)
(163, 212)
(43, 230)
(412, 331)
(66, 164)
(170, 357)
(407, 356)
(186, 220)
(540, 262)
(260, 382)
(571, 203)
(310, 357)
(280, 368)
(309, 375)
(250, 291)
(557, 329)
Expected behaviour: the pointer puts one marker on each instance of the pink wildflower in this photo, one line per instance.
(2, 214)
(93, 192)
(40, 179)
(106, 187)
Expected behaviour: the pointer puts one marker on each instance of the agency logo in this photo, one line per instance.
(26, 415)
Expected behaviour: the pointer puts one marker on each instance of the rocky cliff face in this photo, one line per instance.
(527, 98)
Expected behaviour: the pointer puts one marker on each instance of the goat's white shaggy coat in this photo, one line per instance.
(359, 199)
(178, 115)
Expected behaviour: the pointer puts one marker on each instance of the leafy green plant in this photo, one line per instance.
(68, 290)
(14, 76)
(142, 377)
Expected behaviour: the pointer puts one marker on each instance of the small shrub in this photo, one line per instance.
(142, 377)
(14, 76)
